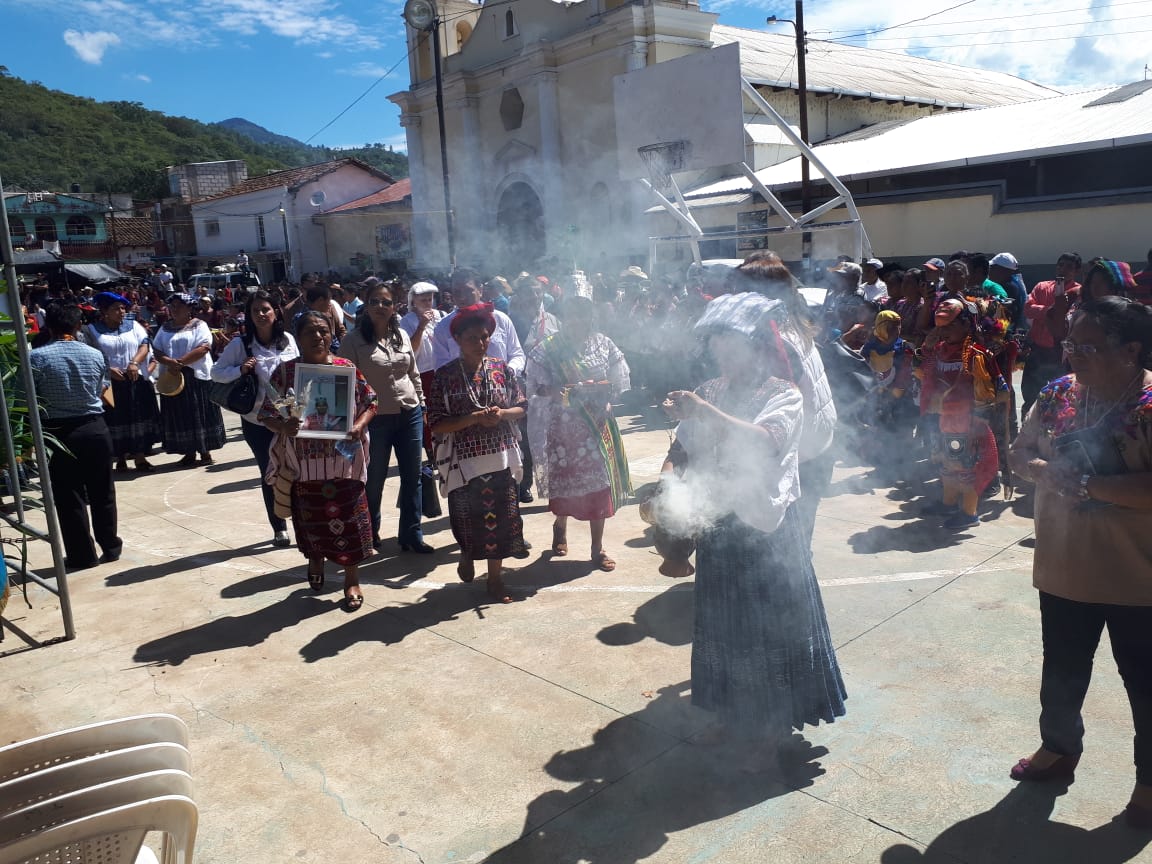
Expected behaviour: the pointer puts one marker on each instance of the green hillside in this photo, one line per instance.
(50, 140)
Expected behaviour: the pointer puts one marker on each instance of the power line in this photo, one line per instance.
(356, 101)
(987, 32)
(1023, 41)
(1077, 11)
(906, 23)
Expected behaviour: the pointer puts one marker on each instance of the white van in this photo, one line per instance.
(239, 283)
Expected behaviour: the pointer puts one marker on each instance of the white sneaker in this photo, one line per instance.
(281, 539)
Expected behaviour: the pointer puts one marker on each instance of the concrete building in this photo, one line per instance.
(530, 122)
(271, 217)
(74, 226)
(371, 233)
(202, 179)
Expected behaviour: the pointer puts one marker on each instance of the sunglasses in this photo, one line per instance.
(380, 302)
(1072, 349)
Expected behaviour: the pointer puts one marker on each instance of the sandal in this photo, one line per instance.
(498, 592)
(352, 602)
(466, 570)
(559, 541)
(189, 459)
(316, 580)
(601, 560)
(207, 460)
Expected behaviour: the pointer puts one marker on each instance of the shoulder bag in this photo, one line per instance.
(239, 395)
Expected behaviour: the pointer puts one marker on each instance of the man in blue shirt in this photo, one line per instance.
(70, 378)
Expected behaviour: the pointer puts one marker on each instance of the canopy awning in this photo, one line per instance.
(95, 273)
(36, 261)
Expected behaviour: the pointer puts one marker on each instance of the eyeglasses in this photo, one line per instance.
(1072, 349)
(380, 302)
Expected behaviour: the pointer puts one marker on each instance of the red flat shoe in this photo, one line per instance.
(1062, 770)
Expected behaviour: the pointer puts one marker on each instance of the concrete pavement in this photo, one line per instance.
(433, 727)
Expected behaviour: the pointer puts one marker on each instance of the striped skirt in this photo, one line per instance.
(762, 656)
(134, 422)
(192, 422)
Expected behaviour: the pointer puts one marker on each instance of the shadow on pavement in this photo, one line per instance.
(232, 631)
(667, 618)
(134, 575)
(1019, 829)
(235, 486)
(908, 537)
(622, 816)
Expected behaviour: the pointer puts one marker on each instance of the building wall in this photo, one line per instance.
(351, 239)
(201, 179)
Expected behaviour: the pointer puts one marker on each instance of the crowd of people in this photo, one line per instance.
(486, 389)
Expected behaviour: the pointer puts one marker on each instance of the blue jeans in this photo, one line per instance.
(259, 437)
(403, 432)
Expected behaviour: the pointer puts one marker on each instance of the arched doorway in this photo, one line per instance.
(520, 223)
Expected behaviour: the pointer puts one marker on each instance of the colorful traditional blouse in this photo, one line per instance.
(577, 444)
(474, 450)
(732, 472)
(316, 458)
(1088, 551)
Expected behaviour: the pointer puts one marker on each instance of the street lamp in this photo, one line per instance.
(422, 16)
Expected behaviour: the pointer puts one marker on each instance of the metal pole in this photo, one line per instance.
(449, 219)
(287, 247)
(112, 227)
(802, 75)
(34, 422)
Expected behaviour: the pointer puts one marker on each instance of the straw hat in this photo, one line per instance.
(170, 382)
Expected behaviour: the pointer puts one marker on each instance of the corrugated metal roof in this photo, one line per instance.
(769, 58)
(294, 178)
(1062, 124)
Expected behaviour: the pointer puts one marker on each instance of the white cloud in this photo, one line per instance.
(200, 23)
(365, 70)
(90, 47)
(140, 76)
(1067, 44)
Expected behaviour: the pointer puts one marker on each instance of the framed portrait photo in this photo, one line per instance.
(327, 395)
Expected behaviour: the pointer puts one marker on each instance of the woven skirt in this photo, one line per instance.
(134, 422)
(331, 520)
(762, 656)
(192, 422)
(485, 517)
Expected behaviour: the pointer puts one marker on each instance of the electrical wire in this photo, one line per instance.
(357, 100)
(989, 32)
(907, 48)
(906, 23)
(1077, 11)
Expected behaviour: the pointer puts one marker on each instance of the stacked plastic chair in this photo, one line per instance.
(90, 795)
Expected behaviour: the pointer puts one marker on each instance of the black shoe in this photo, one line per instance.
(421, 547)
(111, 555)
(72, 566)
(377, 543)
(526, 496)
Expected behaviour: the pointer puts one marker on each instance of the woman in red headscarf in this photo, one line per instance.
(473, 408)
(960, 376)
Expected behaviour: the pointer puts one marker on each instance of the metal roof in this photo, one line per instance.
(833, 68)
(1044, 127)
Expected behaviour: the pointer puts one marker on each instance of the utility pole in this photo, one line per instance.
(802, 74)
(112, 229)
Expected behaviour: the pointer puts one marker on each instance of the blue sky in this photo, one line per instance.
(293, 65)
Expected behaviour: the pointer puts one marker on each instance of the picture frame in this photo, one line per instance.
(327, 398)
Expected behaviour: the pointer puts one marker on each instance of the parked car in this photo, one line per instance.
(238, 282)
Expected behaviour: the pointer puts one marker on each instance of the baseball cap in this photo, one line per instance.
(847, 267)
(935, 264)
(874, 262)
(423, 288)
(1004, 259)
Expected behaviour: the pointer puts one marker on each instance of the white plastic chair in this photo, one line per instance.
(82, 803)
(65, 777)
(36, 754)
(114, 836)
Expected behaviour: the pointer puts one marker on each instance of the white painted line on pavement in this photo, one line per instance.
(649, 466)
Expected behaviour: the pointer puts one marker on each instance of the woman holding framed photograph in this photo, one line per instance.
(325, 469)
(473, 407)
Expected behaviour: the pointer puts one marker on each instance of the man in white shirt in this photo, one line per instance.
(875, 291)
(504, 344)
(353, 304)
